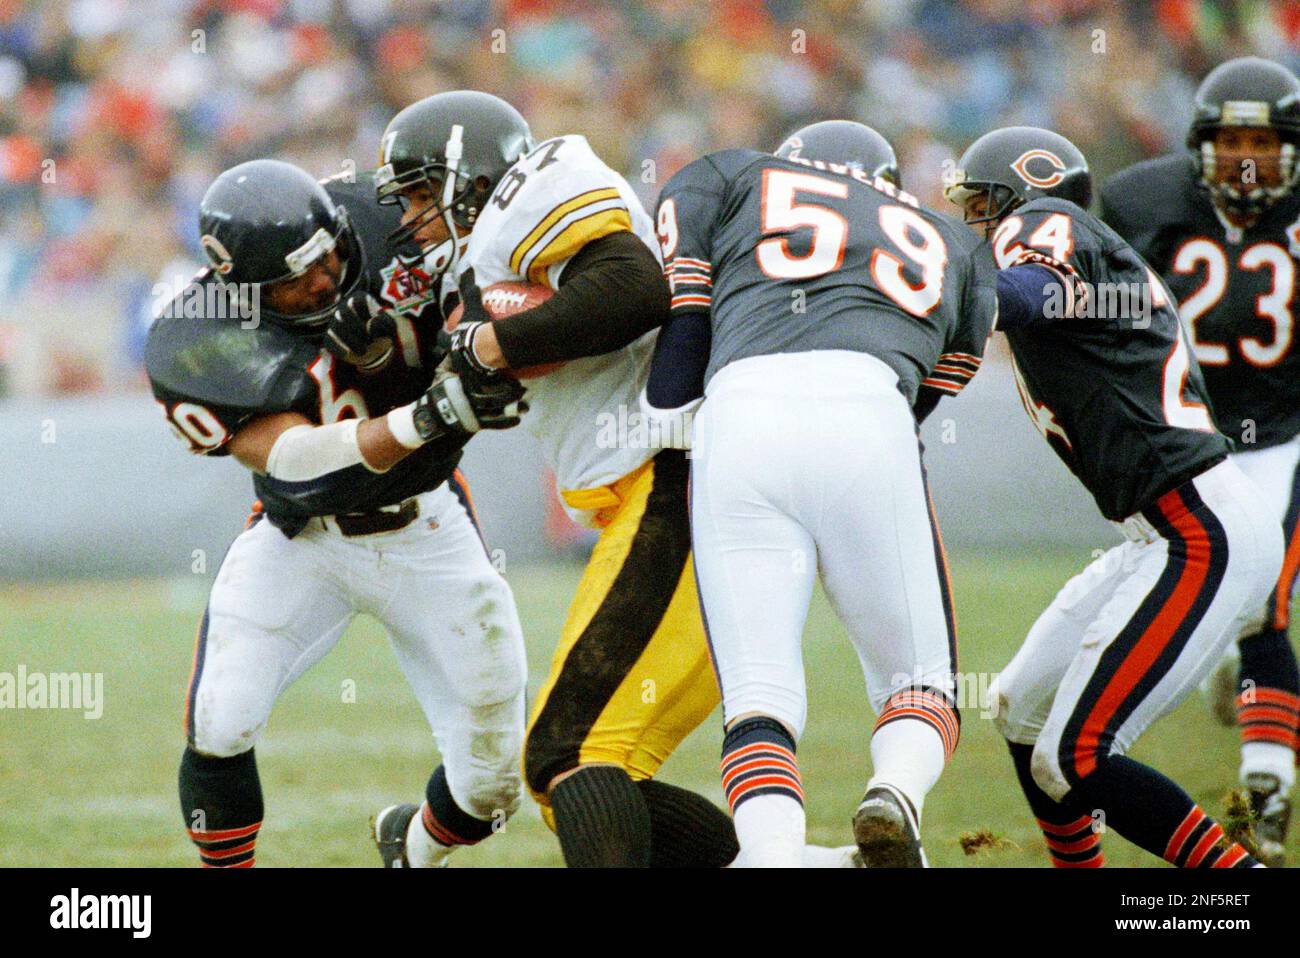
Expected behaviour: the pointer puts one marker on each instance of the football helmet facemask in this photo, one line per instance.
(1246, 92)
(458, 145)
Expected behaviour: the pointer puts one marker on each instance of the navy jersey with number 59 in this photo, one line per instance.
(797, 255)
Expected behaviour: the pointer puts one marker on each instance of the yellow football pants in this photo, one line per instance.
(631, 676)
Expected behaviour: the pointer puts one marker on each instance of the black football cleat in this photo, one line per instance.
(1271, 810)
(388, 829)
(886, 830)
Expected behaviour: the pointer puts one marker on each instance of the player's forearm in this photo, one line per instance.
(380, 449)
(612, 293)
(680, 362)
(288, 446)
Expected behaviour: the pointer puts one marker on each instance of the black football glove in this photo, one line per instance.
(497, 399)
(450, 407)
(472, 318)
(361, 332)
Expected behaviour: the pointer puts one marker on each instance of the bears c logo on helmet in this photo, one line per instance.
(1021, 167)
(794, 144)
(219, 256)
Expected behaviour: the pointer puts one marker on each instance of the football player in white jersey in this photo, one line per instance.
(631, 676)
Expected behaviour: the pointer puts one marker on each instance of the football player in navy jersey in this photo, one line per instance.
(813, 301)
(307, 352)
(1109, 380)
(1220, 223)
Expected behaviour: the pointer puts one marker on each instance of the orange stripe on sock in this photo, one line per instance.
(1230, 858)
(1211, 837)
(1082, 845)
(1266, 733)
(1180, 834)
(1266, 696)
(734, 772)
(1266, 713)
(1084, 821)
(224, 836)
(206, 853)
(734, 796)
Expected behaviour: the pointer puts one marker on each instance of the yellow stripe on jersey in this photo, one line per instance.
(554, 216)
(575, 236)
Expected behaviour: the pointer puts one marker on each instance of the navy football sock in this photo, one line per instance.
(1152, 812)
(445, 821)
(1072, 836)
(1268, 708)
(221, 800)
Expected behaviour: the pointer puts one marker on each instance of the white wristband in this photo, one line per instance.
(401, 423)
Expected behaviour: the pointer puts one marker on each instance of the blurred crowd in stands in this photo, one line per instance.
(116, 114)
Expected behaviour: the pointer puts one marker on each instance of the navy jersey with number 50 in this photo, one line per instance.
(797, 255)
(213, 372)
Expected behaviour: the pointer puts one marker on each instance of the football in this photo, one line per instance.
(506, 299)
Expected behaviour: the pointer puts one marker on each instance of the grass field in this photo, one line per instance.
(103, 792)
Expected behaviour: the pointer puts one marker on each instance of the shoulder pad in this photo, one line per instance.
(217, 362)
(1047, 205)
(956, 232)
(1151, 194)
(729, 163)
(549, 204)
(714, 171)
